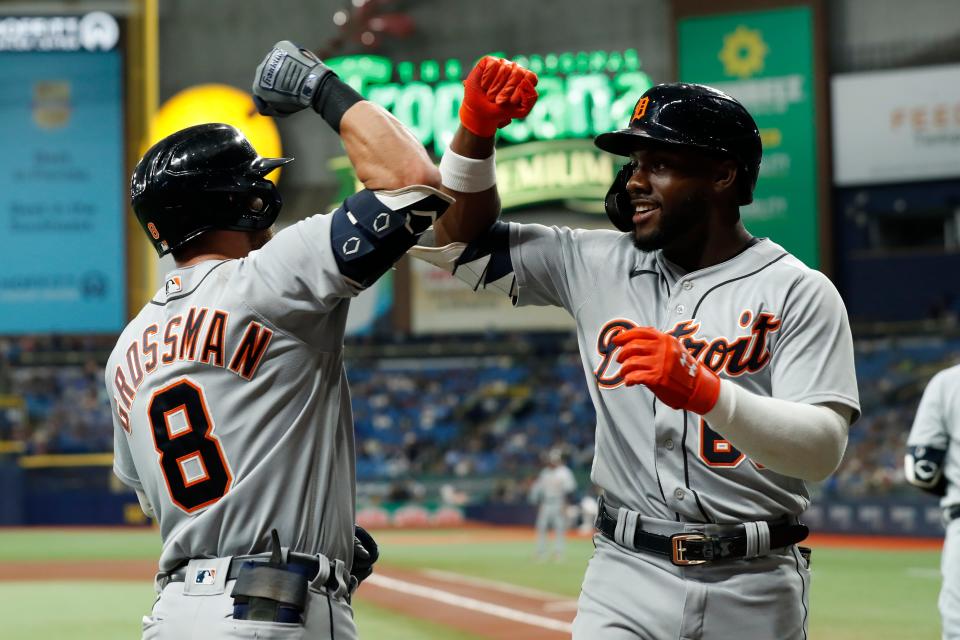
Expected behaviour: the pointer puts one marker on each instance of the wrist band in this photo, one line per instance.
(467, 175)
(333, 98)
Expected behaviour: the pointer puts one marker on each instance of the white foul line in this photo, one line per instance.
(470, 603)
(505, 587)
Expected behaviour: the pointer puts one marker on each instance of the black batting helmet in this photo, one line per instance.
(203, 177)
(688, 115)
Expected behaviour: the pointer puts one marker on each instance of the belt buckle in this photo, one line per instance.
(678, 555)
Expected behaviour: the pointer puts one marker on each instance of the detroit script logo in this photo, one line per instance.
(746, 354)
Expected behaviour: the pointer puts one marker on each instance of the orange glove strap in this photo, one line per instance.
(659, 361)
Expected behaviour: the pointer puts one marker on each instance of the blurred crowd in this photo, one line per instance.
(487, 415)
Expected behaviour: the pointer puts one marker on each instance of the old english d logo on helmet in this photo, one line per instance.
(640, 110)
(689, 116)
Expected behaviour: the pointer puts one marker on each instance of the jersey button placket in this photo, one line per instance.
(679, 493)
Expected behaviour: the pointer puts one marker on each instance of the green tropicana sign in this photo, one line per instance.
(546, 157)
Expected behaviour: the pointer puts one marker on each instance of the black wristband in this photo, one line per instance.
(333, 98)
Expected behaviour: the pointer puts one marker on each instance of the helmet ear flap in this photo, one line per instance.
(617, 200)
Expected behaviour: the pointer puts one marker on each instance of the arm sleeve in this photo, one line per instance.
(812, 359)
(792, 438)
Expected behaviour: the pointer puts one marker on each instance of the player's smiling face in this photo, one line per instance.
(669, 190)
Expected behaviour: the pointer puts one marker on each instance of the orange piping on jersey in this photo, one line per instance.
(246, 359)
(208, 435)
(170, 340)
(718, 447)
(133, 364)
(205, 476)
(191, 331)
(126, 392)
(213, 344)
(150, 347)
(606, 349)
(186, 418)
(123, 415)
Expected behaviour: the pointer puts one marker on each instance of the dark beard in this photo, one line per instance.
(687, 214)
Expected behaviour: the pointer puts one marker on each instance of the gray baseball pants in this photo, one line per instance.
(187, 611)
(635, 595)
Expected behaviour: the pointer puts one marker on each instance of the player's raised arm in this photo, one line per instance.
(383, 152)
(495, 92)
(375, 227)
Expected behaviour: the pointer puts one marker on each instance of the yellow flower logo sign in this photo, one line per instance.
(743, 52)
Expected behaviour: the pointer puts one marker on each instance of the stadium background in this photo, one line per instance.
(455, 400)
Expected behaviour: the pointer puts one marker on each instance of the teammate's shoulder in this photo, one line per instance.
(949, 376)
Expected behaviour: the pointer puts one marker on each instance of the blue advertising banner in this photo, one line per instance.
(62, 192)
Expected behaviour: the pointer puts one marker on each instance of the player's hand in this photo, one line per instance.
(659, 361)
(287, 80)
(365, 554)
(496, 92)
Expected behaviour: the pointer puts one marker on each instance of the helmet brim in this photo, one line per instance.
(263, 166)
(626, 141)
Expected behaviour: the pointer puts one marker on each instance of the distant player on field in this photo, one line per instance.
(932, 463)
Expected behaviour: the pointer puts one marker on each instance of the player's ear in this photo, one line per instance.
(725, 175)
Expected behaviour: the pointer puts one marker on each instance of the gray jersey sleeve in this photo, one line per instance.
(294, 278)
(560, 266)
(812, 360)
(123, 466)
(541, 256)
(930, 428)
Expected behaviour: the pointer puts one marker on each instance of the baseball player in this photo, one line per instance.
(933, 465)
(550, 491)
(230, 401)
(720, 366)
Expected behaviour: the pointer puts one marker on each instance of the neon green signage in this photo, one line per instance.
(549, 155)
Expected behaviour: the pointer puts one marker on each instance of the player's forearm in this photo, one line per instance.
(474, 211)
(384, 153)
(792, 438)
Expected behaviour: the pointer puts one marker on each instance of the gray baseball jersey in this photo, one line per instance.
(931, 459)
(937, 424)
(761, 319)
(231, 407)
(553, 485)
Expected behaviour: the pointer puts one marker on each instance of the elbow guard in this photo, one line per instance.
(373, 229)
(923, 467)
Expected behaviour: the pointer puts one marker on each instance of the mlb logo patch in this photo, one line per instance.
(173, 285)
(206, 576)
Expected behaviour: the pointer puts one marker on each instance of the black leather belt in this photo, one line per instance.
(310, 564)
(686, 549)
(953, 512)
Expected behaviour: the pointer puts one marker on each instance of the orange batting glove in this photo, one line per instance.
(496, 92)
(660, 362)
